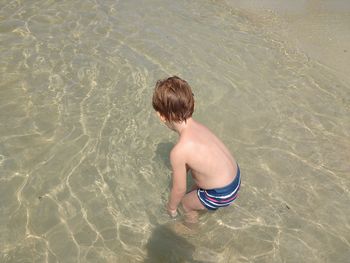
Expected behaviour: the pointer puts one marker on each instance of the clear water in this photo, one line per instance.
(84, 163)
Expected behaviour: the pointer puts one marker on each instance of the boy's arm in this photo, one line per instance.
(178, 190)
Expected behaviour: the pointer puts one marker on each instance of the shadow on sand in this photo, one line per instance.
(167, 246)
(163, 153)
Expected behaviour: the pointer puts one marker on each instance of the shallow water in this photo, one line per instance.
(84, 161)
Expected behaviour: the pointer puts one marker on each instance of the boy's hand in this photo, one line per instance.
(171, 212)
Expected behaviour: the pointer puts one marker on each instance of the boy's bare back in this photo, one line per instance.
(211, 163)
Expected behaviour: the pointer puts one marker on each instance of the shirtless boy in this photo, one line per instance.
(214, 170)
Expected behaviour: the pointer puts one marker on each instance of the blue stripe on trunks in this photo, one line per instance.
(213, 199)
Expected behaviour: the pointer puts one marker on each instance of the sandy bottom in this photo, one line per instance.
(84, 161)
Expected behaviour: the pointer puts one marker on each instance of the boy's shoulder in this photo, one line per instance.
(181, 148)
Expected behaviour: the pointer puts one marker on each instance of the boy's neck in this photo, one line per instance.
(180, 127)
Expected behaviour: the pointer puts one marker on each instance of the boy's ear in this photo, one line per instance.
(161, 117)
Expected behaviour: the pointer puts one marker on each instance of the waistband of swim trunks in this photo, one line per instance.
(231, 185)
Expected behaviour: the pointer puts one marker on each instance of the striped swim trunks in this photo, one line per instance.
(219, 197)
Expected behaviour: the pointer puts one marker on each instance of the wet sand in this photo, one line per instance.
(320, 29)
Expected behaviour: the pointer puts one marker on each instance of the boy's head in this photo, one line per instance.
(173, 99)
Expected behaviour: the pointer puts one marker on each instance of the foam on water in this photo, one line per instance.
(84, 161)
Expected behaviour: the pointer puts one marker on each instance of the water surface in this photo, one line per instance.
(85, 173)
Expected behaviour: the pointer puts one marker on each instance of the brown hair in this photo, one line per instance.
(173, 99)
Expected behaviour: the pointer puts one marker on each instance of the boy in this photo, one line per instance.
(214, 170)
